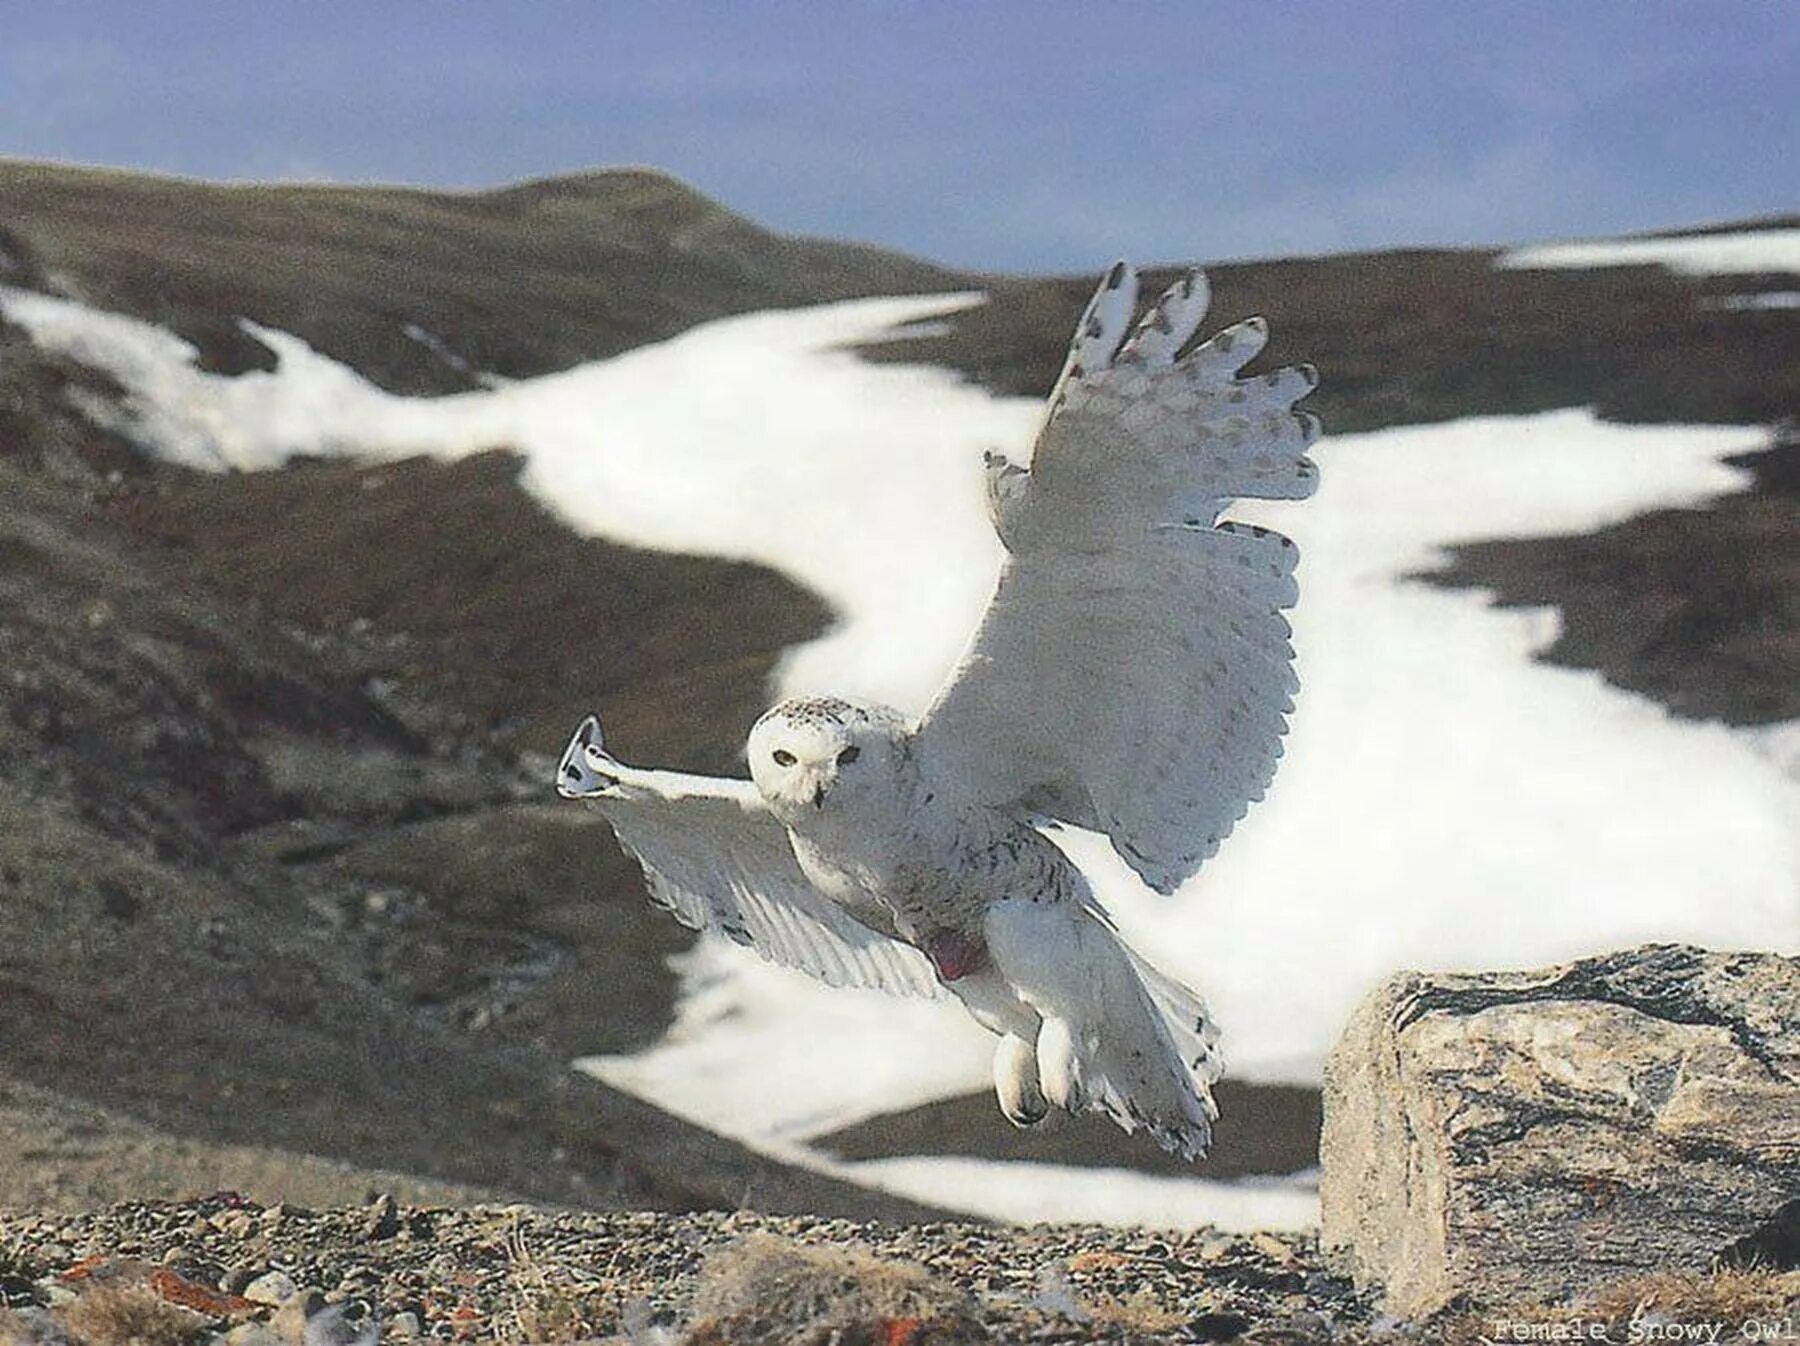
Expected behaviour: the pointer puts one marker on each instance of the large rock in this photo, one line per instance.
(1528, 1136)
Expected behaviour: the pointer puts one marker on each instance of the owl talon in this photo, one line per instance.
(584, 771)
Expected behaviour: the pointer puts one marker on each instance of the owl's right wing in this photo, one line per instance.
(1132, 673)
(715, 858)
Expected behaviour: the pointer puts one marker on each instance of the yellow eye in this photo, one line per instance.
(783, 757)
(849, 755)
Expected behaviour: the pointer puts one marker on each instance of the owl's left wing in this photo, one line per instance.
(1132, 672)
(715, 858)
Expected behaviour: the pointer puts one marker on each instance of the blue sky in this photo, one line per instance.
(1013, 136)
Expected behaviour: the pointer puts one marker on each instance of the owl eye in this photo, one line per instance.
(783, 757)
(849, 755)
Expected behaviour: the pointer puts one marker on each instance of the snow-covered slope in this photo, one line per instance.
(1446, 801)
(1737, 252)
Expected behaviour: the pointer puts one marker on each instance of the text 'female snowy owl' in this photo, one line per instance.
(1132, 675)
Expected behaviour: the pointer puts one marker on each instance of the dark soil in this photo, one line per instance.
(485, 602)
(1406, 338)
(1696, 608)
(1263, 1129)
(521, 281)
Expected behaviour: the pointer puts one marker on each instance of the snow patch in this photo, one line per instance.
(1749, 251)
(1446, 801)
(1044, 1193)
(735, 1009)
(755, 438)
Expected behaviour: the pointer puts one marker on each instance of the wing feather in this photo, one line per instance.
(1133, 672)
(1170, 322)
(716, 859)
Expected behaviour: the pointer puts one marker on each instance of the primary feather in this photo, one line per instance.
(717, 860)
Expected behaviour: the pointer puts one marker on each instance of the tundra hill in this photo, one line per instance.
(521, 281)
(269, 789)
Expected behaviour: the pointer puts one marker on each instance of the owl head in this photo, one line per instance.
(815, 758)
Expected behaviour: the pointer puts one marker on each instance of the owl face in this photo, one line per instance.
(814, 757)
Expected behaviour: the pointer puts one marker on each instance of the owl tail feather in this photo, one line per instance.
(1118, 1035)
(1153, 1061)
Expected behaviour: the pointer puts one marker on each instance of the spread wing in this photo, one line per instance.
(716, 859)
(1132, 672)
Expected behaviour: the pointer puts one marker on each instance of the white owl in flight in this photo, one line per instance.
(1132, 675)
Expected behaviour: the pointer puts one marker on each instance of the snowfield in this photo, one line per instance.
(1741, 252)
(1445, 800)
(754, 438)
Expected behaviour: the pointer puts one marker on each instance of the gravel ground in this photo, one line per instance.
(519, 1273)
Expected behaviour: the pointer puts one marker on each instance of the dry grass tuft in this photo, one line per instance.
(1141, 1311)
(1635, 1308)
(1732, 1296)
(765, 1288)
(128, 1316)
(550, 1303)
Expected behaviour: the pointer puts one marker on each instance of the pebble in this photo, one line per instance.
(272, 1287)
(239, 1275)
(237, 1223)
(289, 1321)
(256, 1334)
(1272, 1248)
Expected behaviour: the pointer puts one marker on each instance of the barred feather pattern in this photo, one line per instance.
(1133, 672)
(716, 860)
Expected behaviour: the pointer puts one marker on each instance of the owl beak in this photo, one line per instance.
(819, 795)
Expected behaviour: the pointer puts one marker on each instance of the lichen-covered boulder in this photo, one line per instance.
(1519, 1136)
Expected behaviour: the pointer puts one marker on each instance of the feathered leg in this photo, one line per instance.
(1016, 1081)
(1117, 1036)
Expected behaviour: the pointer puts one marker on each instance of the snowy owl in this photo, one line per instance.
(1132, 675)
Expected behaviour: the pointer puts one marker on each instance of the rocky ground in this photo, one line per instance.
(65, 1154)
(226, 1269)
(517, 1274)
